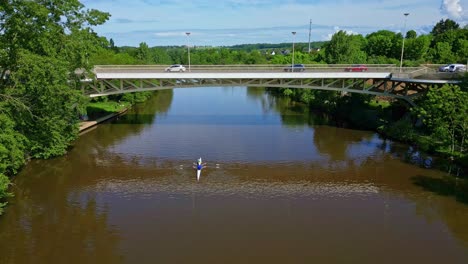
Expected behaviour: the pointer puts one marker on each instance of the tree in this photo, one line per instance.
(143, 53)
(442, 53)
(380, 43)
(109, 57)
(4, 184)
(443, 26)
(411, 34)
(160, 56)
(42, 43)
(112, 46)
(460, 48)
(344, 48)
(417, 48)
(12, 146)
(445, 112)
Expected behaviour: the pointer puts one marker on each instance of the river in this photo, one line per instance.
(280, 186)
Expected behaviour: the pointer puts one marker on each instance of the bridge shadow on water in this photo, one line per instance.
(447, 186)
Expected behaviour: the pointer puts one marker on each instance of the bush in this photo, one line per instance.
(4, 184)
(402, 130)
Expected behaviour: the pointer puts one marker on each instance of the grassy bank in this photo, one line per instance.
(99, 109)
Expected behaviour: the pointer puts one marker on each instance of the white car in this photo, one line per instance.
(452, 68)
(175, 68)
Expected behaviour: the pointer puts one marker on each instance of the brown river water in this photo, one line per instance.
(280, 186)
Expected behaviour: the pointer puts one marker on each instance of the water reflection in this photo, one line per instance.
(446, 186)
(276, 185)
(56, 225)
(451, 189)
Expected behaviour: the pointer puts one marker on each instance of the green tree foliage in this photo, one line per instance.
(12, 146)
(455, 44)
(143, 54)
(4, 184)
(160, 56)
(345, 49)
(461, 49)
(417, 48)
(443, 26)
(42, 43)
(109, 57)
(382, 43)
(411, 34)
(50, 123)
(112, 45)
(445, 113)
(442, 53)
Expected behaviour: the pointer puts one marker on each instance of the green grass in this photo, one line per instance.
(378, 104)
(98, 109)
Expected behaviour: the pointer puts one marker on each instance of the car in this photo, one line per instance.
(175, 68)
(294, 68)
(461, 68)
(452, 68)
(356, 68)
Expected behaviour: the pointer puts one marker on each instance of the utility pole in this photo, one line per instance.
(403, 45)
(188, 49)
(310, 29)
(292, 64)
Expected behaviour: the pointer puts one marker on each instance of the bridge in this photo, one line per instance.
(379, 80)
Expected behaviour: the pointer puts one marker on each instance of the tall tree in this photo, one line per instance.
(42, 43)
(417, 48)
(443, 26)
(445, 112)
(442, 53)
(344, 48)
(411, 34)
(143, 53)
(381, 43)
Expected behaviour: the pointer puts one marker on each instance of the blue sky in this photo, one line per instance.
(230, 22)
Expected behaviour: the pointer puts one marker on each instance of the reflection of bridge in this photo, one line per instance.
(381, 80)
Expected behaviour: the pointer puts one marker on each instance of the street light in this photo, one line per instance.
(188, 49)
(403, 45)
(292, 64)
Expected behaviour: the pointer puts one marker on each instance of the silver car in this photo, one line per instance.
(175, 68)
(294, 68)
(452, 68)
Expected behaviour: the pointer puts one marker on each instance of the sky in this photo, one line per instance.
(231, 22)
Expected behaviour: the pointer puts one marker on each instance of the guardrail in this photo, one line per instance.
(407, 71)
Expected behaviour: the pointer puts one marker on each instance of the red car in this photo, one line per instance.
(356, 68)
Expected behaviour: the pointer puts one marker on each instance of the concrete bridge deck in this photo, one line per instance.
(383, 80)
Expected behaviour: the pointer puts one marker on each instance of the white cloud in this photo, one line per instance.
(452, 8)
(226, 22)
(336, 29)
(169, 34)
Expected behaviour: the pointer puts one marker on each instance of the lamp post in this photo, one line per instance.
(188, 49)
(310, 30)
(292, 64)
(403, 45)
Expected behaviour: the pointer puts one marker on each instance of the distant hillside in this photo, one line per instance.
(248, 47)
(263, 46)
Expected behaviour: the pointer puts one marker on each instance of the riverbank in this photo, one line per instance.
(391, 119)
(85, 125)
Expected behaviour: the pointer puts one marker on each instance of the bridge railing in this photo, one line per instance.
(249, 68)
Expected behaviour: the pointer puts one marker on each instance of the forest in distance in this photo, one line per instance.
(41, 45)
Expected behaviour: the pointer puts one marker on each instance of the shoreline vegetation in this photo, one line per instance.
(397, 121)
(85, 125)
(41, 101)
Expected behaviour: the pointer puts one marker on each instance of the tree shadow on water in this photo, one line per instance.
(447, 186)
